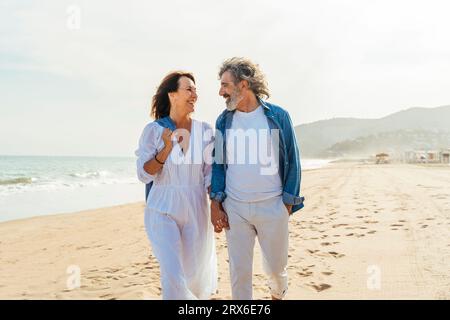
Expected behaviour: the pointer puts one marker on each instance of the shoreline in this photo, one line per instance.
(43, 203)
(72, 213)
(35, 203)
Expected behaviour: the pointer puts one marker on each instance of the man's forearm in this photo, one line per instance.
(216, 205)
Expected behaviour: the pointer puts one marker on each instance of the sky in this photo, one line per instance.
(77, 77)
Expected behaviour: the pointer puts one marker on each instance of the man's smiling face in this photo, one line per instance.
(229, 91)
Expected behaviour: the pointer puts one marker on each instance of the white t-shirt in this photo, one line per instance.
(252, 159)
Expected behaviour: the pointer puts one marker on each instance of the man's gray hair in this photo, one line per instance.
(244, 69)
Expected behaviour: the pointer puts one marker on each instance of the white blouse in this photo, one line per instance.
(184, 178)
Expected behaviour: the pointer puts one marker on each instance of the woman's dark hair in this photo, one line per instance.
(160, 101)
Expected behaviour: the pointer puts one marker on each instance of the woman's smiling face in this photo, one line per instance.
(186, 95)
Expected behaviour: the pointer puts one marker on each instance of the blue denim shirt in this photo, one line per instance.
(289, 158)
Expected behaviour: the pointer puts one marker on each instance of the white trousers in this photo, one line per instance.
(185, 248)
(268, 220)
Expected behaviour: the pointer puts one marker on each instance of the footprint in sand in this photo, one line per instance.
(336, 255)
(327, 273)
(339, 225)
(396, 225)
(107, 296)
(319, 287)
(82, 248)
(424, 226)
(326, 244)
(372, 232)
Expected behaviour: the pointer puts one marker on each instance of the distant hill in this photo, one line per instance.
(414, 128)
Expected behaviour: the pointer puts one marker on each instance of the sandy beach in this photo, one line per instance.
(367, 232)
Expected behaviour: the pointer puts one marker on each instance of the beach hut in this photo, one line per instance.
(445, 156)
(382, 158)
(433, 156)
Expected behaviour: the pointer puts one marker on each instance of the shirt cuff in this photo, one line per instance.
(217, 196)
(290, 199)
(143, 175)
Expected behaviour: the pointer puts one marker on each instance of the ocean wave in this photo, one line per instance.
(90, 174)
(24, 180)
(309, 164)
(50, 185)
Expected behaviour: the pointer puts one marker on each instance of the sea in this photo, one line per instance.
(43, 185)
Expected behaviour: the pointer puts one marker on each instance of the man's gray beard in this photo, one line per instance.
(231, 106)
(233, 102)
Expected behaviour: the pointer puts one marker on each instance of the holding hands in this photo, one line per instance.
(219, 218)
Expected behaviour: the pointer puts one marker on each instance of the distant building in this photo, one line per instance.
(382, 158)
(445, 156)
(433, 156)
(430, 156)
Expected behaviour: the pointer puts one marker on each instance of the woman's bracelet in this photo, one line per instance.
(156, 158)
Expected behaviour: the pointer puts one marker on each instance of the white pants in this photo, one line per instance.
(185, 248)
(267, 220)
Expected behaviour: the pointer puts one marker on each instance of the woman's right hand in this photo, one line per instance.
(167, 138)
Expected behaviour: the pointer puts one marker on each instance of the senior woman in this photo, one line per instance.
(171, 157)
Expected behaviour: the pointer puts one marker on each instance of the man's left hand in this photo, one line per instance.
(289, 208)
